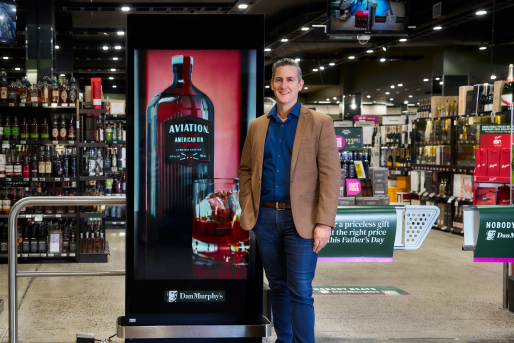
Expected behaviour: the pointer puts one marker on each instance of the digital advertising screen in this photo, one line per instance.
(189, 103)
(367, 17)
(8, 21)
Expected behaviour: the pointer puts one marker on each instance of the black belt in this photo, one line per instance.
(279, 206)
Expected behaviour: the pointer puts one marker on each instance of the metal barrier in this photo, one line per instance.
(13, 260)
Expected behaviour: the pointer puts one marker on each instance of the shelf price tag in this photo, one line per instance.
(26, 179)
(42, 179)
(114, 223)
(419, 193)
(114, 169)
(66, 179)
(34, 105)
(122, 223)
(23, 142)
(24, 255)
(57, 216)
(55, 142)
(11, 104)
(444, 228)
(431, 195)
(38, 218)
(71, 142)
(58, 179)
(425, 194)
(34, 179)
(451, 199)
(8, 179)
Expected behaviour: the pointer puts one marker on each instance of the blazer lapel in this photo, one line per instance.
(259, 140)
(300, 128)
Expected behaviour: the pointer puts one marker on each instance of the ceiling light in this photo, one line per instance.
(63, 75)
(6, 58)
(405, 102)
(392, 86)
(115, 58)
(125, 9)
(382, 60)
(305, 87)
(400, 85)
(14, 9)
(441, 82)
(267, 49)
(242, 6)
(17, 69)
(106, 33)
(337, 101)
(481, 12)
(117, 47)
(391, 99)
(387, 93)
(410, 96)
(403, 40)
(314, 69)
(283, 40)
(114, 86)
(437, 78)
(57, 46)
(493, 77)
(384, 48)
(483, 48)
(266, 86)
(351, 57)
(105, 48)
(113, 69)
(369, 51)
(369, 96)
(322, 68)
(374, 102)
(426, 80)
(297, 60)
(121, 33)
(437, 28)
(328, 99)
(111, 78)
(305, 29)
(335, 98)
(418, 103)
(331, 64)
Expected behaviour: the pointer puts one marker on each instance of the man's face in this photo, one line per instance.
(286, 85)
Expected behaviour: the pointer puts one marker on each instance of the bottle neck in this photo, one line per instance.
(510, 78)
(182, 74)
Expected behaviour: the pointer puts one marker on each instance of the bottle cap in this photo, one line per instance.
(180, 59)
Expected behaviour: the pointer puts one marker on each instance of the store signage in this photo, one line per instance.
(353, 188)
(373, 119)
(359, 291)
(187, 140)
(495, 242)
(361, 234)
(343, 123)
(194, 296)
(352, 138)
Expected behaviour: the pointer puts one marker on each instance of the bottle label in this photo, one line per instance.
(7, 130)
(73, 96)
(48, 168)
(41, 167)
(3, 93)
(34, 136)
(63, 133)
(6, 205)
(55, 133)
(71, 133)
(15, 131)
(187, 141)
(17, 169)
(507, 99)
(55, 95)
(24, 135)
(45, 136)
(64, 96)
(45, 94)
(34, 99)
(9, 169)
(23, 97)
(26, 171)
(12, 95)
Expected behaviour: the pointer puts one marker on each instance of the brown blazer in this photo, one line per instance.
(315, 172)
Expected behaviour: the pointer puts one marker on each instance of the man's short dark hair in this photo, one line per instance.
(286, 62)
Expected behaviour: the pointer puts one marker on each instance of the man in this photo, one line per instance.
(289, 188)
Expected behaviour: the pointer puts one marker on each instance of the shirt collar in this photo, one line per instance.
(294, 111)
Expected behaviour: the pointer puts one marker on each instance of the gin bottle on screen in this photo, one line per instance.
(179, 150)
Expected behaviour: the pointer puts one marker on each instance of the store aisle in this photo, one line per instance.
(454, 299)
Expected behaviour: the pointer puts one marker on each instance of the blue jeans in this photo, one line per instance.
(290, 264)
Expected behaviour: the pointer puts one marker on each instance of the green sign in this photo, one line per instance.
(362, 234)
(358, 291)
(495, 242)
(194, 296)
(349, 138)
(494, 129)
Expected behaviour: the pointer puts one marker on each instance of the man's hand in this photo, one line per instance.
(321, 237)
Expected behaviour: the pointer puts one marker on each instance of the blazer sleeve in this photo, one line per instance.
(329, 170)
(245, 169)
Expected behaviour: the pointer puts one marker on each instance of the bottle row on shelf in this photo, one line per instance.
(114, 132)
(58, 131)
(402, 159)
(94, 163)
(348, 159)
(394, 135)
(48, 92)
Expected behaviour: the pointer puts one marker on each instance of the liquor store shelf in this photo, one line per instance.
(32, 108)
(459, 141)
(44, 255)
(498, 179)
(38, 142)
(442, 168)
(114, 169)
(42, 216)
(34, 179)
(91, 145)
(92, 215)
(116, 142)
(441, 197)
(115, 117)
(449, 229)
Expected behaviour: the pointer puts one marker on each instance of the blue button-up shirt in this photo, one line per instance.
(278, 148)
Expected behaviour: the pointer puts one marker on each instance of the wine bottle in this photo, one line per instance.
(390, 159)
(508, 90)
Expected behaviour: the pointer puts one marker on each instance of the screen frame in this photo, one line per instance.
(15, 39)
(377, 33)
(222, 35)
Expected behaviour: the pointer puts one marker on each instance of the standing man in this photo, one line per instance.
(289, 188)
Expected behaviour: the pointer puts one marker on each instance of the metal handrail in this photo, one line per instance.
(13, 260)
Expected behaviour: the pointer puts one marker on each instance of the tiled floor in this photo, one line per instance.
(455, 300)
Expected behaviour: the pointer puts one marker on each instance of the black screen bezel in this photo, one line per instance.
(144, 298)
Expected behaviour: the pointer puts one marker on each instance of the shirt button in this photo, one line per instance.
(280, 140)
(278, 171)
(278, 155)
(276, 186)
(282, 126)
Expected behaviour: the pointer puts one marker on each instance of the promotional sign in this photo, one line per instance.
(495, 242)
(189, 103)
(358, 291)
(353, 188)
(366, 235)
(495, 136)
(349, 138)
(373, 119)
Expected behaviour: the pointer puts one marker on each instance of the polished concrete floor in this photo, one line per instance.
(455, 300)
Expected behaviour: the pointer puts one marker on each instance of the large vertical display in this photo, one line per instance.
(190, 100)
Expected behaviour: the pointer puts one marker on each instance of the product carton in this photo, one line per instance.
(497, 97)
(481, 162)
(462, 98)
(384, 200)
(505, 164)
(403, 182)
(487, 194)
(403, 197)
(414, 180)
(493, 162)
(463, 186)
(346, 201)
(368, 201)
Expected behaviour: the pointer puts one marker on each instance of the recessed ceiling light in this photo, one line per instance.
(403, 40)
(125, 9)
(322, 68)
(493, 77)
(387, 93)
(113, 69)
(57, 46)
(405, 102)
(17, 69)
(115, 58)
(426, 80)
(374, 102)
(328, 99)
(369, 96)
(305, 28)
(351, 57)
(242, 6)
(335, 98)
(369, 51)
(392, 86)
(483, 48)
(106, 33)
(391, 99)
(114, 86)
(266, 86)
(63, 75)
(117, 47)
(438, 28)
(121, 33)
(14, 9)
(297, 60)
(305, 87)
(441, 82)
(382, 60)
(111, 78)
(283, 40)
(267, 49)
(384, 48)
(481, 12)
(314, 69)
(105, 48)
(437, 78)
(6, 58)
(337, 101)
(400, 85)
(410, 96)
(332, 64)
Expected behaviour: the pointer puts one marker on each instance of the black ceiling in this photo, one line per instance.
(86, 27)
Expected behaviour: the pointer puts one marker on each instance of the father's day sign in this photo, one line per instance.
(362, 234)
(495, 241)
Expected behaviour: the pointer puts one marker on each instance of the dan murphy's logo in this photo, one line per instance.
(490, 235)
(194, 296)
